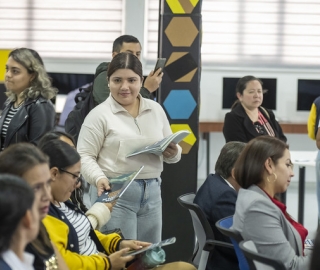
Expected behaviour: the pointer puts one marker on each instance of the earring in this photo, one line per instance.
(275, 178)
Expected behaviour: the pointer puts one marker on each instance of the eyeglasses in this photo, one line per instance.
(78, 177)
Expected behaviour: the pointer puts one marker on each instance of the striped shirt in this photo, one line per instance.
(11, 113)
(82, 226)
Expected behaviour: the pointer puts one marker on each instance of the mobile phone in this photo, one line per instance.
(160, 64)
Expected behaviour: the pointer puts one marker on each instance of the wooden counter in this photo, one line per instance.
(296, 128)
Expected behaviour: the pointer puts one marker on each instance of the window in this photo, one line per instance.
(60, 28)
(265, 33)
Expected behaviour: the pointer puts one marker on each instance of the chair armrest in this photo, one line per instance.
(209, 245)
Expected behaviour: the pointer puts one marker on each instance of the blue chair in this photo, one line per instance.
(224, 226)
(205, 242)
(261, 262)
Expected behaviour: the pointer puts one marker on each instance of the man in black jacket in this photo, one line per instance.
(217, 198)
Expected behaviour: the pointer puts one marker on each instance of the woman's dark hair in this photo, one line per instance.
(54, 135)
(125, 60)
(20, 157)
(249, 167)
(61, 154)
(17, 159)
(242, 84)
(76, 195)
(16, 197)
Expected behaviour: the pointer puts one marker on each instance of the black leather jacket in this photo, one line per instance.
(35, 118)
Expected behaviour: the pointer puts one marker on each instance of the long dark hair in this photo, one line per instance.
(16, 198)
(61, 154)
(76, 195)
(17, 159)
(125, 60)
(54, 135)
(249, 168)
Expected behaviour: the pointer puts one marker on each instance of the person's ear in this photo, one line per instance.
(232, 174)
(26, 221)
(32, 77)
(239, 96)
(54, 171)
(268, 165)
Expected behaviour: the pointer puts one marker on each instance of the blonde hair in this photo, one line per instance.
(41, 84)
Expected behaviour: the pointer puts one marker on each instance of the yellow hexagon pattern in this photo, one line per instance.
(182, 6)
(187, 143)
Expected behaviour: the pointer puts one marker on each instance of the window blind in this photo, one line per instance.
(256, 33)
(60, 28)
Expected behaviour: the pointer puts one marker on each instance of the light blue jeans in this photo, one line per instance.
(138, 213)
(318, 183)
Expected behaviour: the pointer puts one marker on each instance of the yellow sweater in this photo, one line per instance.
(58, 232)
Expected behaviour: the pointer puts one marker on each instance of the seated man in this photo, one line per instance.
(217, 198)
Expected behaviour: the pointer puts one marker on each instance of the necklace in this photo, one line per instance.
(18, 105)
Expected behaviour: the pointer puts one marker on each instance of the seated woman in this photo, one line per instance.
(27, 161)
(99, 214)
(70, 230)
(248, 119)
(263, 169)
(19, 222)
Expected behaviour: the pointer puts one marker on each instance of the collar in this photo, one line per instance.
(116, 107)
(228, 183)
(15, 263)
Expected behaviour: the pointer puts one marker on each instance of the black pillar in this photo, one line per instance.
(179, 43)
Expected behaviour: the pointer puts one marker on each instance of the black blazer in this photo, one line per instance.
(218, 200)
(30, 123)
(239, 127)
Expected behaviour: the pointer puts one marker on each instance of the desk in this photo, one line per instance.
(207, 126)
(302, 159)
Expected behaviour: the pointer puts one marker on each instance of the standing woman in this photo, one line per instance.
(248, 119)
(19, 223)
(123, 123)
(28, 112)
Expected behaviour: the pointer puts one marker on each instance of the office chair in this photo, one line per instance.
(260, 262)
(204, 234)
(223, 225)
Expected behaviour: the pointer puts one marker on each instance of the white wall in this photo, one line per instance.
(211, 89)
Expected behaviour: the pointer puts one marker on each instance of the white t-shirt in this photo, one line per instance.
(15, 263)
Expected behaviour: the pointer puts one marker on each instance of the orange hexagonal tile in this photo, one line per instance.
(181, 31)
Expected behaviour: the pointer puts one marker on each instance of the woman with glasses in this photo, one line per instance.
(99, 214)
(80, 245)
(248, 119)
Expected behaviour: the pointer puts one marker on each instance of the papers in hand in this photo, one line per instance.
(158, 147)
(163, 243)
(119, 185)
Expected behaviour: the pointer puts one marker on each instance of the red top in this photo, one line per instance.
(299, 227)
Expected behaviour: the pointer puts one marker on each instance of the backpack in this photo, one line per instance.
(84, 104)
